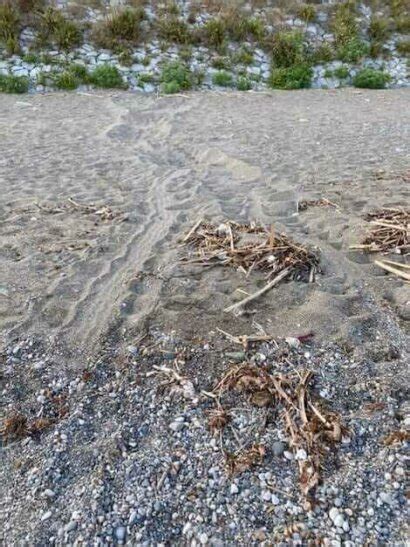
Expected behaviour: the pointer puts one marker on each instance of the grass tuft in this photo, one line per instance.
(222, 79)
(9, 28)
(294, 77)
(107, 76)
(176, 77)
(120, 28)
(371, 79)
(13, 84)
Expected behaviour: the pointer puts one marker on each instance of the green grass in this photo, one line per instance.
(243, 84)
(107, 76)
(53, 28)
(222, 79)
(402, 24)
(175, 77)
(371, 79)
(119, 29)
(403, 47)
(379, 29)
(214, 33)
(173, 30)
(323, 54)
(13, 84)
(9, 28)
(32, 58)
(221, 63)
(341, 72)
(344, 25)
(353, 50)
(66, 80)
(294, 77)
(306, 12)
(244, 56)
(288, 49)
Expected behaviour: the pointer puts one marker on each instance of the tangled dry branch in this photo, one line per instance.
(249, 247)
(390, 231)
(311, 429)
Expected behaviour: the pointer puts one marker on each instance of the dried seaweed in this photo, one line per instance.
(390, 231)
(250, 247)
(238, 463)
(311, 428)
(397, 437)
(104, 212)
(17, 426)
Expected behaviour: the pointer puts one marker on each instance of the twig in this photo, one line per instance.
(392, 270)
(259, 293)
(192, 230)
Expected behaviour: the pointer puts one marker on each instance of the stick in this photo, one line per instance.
(394, 271)
(259, 293)
(192, 230)
(398, 264)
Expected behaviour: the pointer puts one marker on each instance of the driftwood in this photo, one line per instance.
(389, 231)
(387, 265)
(259, 293)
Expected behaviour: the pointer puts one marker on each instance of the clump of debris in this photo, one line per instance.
(312, 429)
(389, 231)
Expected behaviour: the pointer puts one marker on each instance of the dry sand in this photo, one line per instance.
(166, 161)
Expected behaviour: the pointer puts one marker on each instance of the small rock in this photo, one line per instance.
(278, 448)
(46, 516)
(120, 532)
(234, 489)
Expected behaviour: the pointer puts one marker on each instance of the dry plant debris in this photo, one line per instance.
(396, 268)
(312, 429)
(390, 231)
(322, 202)
(104, 213)
(174, 382)
(249, 247)
(16, 426)
(397, 437)
(238, 463)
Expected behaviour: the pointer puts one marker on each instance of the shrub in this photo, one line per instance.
(54, 27)
(107, 76)
(222, 79)
(31, 58)
(172, 29)
(306, 12)
(403, 47)
(403, 24)
(243, 56)
(288, 49)
(379, 29)
(243, 84)
(371, 79)
(323, 54)
(341, 72)
(66, 80)
(214, 32)
(121, 27)
(353, 50)
(80, 72)
(344, 25)
(175, 77)
(9, 28)
(294, 77)
(13, 84)
(221, 63)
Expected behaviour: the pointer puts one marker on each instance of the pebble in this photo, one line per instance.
(120, 533)
(234, 489)
(278, 448)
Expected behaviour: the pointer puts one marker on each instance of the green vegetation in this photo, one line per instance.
(243, 56)
(403, 47)
(176, 77)
(294, 77)
(9, 28)
(353, 50)
(65, 80)
(107, 76)
(214, 32)
(403, 24)
(342, 73)
(323, 54)
(31, 58)
(371, 79)
(222, 79)
(379, 29)
(306, 12)
(174, 30)
(120, 29)
(13, 84)
(55, 28)
(243, 84)
(288, 49)
(221, 63)
(344, 25)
